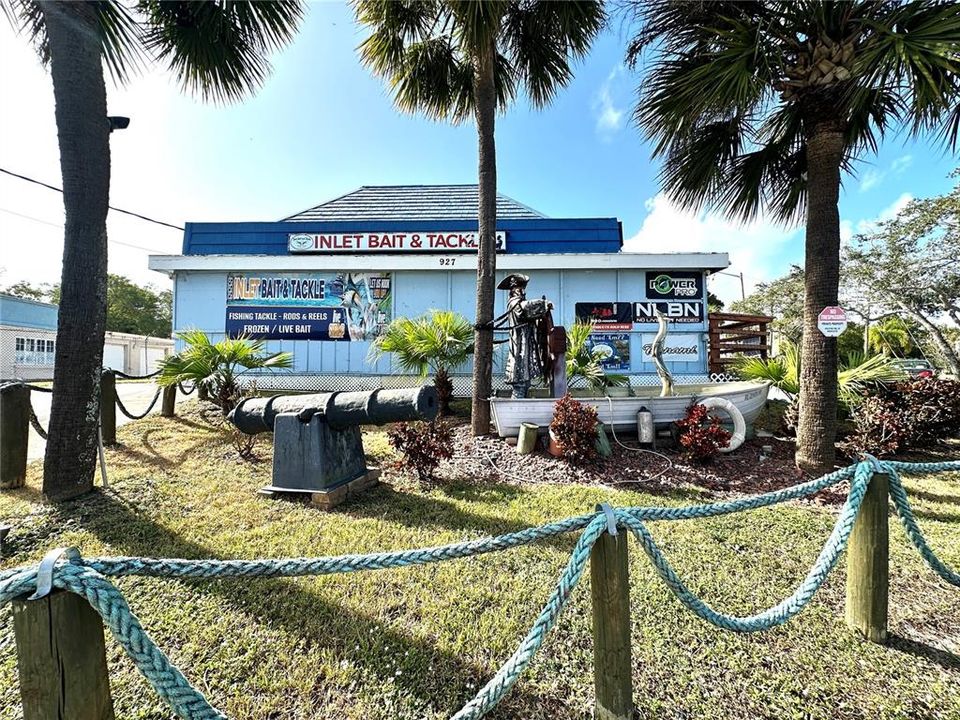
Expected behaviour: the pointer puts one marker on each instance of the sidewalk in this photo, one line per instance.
(135, 396)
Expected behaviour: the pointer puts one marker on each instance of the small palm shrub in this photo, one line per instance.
(422, 446)
(441, 340)
(855, 376)
(574, 426)
(215, 367)
(701, 435)
(585, 364)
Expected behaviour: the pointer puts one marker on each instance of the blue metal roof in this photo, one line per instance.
(412, 202)
(524, 235)
(22, 312)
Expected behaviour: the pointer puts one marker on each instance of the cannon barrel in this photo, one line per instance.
(339, 409)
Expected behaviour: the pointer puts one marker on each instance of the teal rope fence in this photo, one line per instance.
(88, 578)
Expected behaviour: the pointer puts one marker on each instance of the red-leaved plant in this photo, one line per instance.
(422, 446)
(701, 435)
(574, 426)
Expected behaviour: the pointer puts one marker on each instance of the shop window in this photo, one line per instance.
(32, 351)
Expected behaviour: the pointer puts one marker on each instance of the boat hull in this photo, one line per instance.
(621, 412)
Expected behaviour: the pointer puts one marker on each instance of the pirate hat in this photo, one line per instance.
(512, 281)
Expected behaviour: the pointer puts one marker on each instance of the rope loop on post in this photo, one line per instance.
(146, 412)
(46, 568)
(610, 516)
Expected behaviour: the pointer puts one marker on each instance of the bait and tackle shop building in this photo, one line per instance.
(322, 284)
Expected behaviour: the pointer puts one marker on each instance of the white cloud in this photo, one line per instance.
(871, 178)
(756, 249)
(609, 117)
(901, 164)
(888, 213)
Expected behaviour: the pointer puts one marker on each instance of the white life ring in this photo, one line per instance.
(739, 424)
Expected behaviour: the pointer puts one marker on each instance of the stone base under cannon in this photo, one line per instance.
(312, 458)
(329, 499)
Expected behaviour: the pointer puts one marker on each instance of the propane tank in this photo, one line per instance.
(645, 430)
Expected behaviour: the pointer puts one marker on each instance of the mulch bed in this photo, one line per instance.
(738, 473)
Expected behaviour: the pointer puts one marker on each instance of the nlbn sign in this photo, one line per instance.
(675, 311)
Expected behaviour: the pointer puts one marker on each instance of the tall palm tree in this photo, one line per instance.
(449, 60)
(763, 105)
(218, 49)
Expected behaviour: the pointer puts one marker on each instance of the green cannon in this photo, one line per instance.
(317, 442)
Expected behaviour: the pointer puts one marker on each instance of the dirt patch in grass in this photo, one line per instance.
(416, 643)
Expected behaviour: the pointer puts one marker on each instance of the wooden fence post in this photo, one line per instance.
(108, 407)
(610, 588)
(868, 568)
(14, 435)
(61, 659)
(169, 406)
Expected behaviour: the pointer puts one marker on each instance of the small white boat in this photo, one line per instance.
(621, 412)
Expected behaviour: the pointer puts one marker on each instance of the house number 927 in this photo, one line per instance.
(448, 261)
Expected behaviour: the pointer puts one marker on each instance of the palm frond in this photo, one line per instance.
(782, 371)
(427, 52)
(440, 339)
(861, 372)
(118, 30)
(730, 88)
(543, 37)
(219, 48)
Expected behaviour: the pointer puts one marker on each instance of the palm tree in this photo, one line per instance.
(217, 49)
(214, 368)
(450, 60)
(763, 105)
(439, 340)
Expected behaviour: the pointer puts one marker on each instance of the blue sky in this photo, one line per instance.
(323, 125)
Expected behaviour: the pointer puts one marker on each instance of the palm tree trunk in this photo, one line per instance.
(83, 134)
(486, 106)
(444, 387)
(817, 429)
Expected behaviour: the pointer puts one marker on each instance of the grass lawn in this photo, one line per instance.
(418, 642)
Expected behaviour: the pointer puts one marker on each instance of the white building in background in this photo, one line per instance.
(28, 337)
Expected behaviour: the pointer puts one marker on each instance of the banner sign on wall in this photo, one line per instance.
(674, 285)
(606, 316)
(676, 311)
(614, 349)
(292, 306)
(389, 242)
(682, 347)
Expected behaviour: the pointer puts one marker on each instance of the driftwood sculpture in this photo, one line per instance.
(656, 352)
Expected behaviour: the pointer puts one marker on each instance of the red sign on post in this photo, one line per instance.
(832, 321)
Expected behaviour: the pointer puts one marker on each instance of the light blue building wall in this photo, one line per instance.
(229, 267)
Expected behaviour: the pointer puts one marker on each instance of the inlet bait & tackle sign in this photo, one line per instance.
(290, 306)
(389, 242)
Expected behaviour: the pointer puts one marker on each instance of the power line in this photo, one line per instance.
(60, 226)
(119, 210)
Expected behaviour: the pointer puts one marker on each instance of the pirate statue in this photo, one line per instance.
(529, 322)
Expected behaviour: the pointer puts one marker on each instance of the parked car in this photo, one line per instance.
(917, 368)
